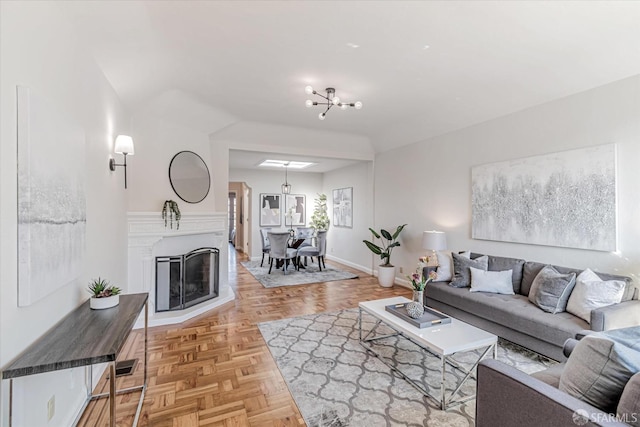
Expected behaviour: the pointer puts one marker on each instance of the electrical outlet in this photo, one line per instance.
(51, 407)
(401, 270)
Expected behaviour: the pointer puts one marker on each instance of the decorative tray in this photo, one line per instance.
(428, 319)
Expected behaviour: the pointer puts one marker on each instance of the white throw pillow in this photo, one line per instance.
(591, 292)
(495, 282)
(444, 272)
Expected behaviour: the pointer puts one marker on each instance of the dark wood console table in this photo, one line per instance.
(83, 338)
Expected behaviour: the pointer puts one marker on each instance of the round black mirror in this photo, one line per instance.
(189, 177)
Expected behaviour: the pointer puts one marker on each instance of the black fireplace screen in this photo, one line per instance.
(186, 280)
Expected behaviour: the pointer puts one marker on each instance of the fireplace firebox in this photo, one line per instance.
(186, 280)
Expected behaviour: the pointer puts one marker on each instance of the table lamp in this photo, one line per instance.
(433, 241)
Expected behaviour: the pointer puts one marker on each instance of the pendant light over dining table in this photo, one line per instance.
(286, 187)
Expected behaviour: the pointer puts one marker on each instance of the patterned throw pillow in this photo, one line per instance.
(461, 272)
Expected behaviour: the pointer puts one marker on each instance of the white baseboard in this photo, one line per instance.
(397, 281)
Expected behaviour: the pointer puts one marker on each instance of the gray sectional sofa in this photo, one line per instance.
(516, 319)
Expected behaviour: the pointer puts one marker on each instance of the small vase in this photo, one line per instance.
(418, 296)
(102, 303)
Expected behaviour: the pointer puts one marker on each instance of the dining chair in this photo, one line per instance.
(315, 251)
(305, 233)
(280, 250)
(266, 247)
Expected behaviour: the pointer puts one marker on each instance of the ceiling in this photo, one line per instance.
(421, 69)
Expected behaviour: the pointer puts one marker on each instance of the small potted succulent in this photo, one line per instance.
(103, 295)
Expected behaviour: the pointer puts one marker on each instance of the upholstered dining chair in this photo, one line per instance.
(280, 249)
(315, 251)
(266, 247)
(305, 233)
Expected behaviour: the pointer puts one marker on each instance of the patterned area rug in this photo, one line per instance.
(303, 277)
(335, 382)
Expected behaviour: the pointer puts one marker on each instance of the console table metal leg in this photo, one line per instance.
(10, 402)
(443, 397)
(112, 394)
(146, 363)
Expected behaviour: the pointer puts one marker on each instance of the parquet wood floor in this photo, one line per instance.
(216, 370)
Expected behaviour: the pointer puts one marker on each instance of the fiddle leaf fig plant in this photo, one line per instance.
(388, 241)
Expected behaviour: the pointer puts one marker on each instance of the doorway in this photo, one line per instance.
(239, 216)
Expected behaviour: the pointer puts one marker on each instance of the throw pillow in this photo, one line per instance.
(601, 365)
(550, 289)
(444, 272)
(461, 274)
(591, 292)
(629, 404)
(495, 282)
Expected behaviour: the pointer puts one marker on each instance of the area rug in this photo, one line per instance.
(336, 382)
(293, 277)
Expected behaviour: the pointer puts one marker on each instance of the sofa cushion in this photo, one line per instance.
(550, 289)
(629, 405)
(461, 273)
(531, 270)
(497, 282)
(550, 375)
(590, 293)
(498, 263)
(512, 311)
(601, 365)
(444, 272)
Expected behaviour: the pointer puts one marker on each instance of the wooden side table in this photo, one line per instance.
(85, 337)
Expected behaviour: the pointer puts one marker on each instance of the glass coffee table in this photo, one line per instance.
(442, 341)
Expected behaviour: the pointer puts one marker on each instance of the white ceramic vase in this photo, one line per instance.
(102, 303)
(386, 276)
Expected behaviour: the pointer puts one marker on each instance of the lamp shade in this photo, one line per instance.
(434, 240)
(124, 145)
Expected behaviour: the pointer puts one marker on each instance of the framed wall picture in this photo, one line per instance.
(295, 210)
(270, 210)
(343, 207)
(565, 199)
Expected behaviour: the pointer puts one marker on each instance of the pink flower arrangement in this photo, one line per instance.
(418, 281)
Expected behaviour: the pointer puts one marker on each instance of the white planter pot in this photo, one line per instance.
(386, 276)
(102, 303)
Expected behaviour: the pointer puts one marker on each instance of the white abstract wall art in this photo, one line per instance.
(295, 210)
(565, 199)
(51, 199)
(343, 207)
(269, 210)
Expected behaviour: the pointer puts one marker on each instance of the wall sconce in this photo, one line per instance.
(124, 146)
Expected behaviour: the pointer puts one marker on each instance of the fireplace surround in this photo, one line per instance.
(150, 239)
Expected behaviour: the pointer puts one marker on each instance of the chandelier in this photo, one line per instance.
(331, 100)
(286, 187)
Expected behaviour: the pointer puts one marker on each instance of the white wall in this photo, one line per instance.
(39, 50)
(269, 181)
(428, 184)
(157, 140)
(345, 244)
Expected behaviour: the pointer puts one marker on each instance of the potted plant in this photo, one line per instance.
(171, 211)
(320, 219)
(103, 295)
(386, 270)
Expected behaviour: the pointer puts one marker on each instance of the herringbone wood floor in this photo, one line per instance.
(216, 369)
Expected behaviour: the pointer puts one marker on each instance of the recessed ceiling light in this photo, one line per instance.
(426, 46)
(353, 45)
(283, 163)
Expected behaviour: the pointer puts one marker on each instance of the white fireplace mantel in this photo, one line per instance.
(147, 235)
